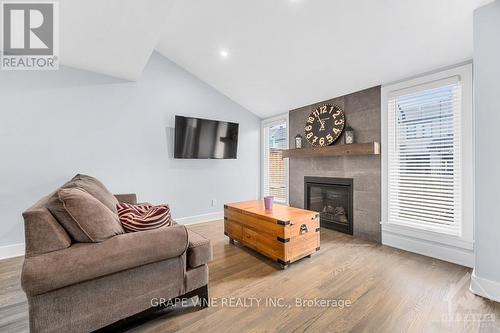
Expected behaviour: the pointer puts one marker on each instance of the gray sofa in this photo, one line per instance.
(81, 287)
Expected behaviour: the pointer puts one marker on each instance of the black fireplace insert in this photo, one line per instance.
(332, 198)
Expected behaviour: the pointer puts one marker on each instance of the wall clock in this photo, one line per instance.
(324, 125)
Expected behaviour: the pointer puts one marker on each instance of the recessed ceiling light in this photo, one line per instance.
(223, 53)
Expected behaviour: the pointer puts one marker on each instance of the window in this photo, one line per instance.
(427, 165)
(275, 168)
(424, 145)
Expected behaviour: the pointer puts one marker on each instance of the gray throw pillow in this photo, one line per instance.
(95, 188)
(84, 217)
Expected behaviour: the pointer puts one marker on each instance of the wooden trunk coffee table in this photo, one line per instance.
(284, 234)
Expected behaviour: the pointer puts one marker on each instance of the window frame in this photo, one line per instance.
(465, 240)
(282, 118)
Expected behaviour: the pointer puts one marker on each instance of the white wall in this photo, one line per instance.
(56, 124)
(486, 276)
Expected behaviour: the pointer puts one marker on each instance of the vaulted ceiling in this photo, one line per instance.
(271, 56)
(112, 37)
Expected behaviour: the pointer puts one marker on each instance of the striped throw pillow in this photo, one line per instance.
(143, 217)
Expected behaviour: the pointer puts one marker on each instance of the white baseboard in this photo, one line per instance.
(456, 255)
(200, 218)
(484, 287)
(10, 251)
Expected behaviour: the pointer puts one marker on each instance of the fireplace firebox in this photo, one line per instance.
(332, 198)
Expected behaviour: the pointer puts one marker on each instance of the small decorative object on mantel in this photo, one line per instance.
(324, 125)
(349, 135)
(298, 141)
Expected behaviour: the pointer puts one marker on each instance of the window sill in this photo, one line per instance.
(425, 235)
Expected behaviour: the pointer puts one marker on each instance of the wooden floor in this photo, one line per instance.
(390, 291)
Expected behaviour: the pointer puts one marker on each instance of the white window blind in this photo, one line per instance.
(424, 157)
(275, 168)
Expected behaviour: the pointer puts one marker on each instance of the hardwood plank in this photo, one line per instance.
(391, 291)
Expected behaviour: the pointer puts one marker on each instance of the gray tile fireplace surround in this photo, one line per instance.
(362, 110)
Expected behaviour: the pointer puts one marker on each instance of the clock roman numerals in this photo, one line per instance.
(324, 125)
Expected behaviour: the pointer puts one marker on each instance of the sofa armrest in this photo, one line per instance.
(86, 261)
(199, 250)
(130, 198)
(43, 234)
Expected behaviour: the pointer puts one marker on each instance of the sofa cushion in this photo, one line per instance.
(86, 261)
(84, 217)
(95, 188)
(143, 217)
(199, 250)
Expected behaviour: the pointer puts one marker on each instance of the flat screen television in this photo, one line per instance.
(205, 139)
